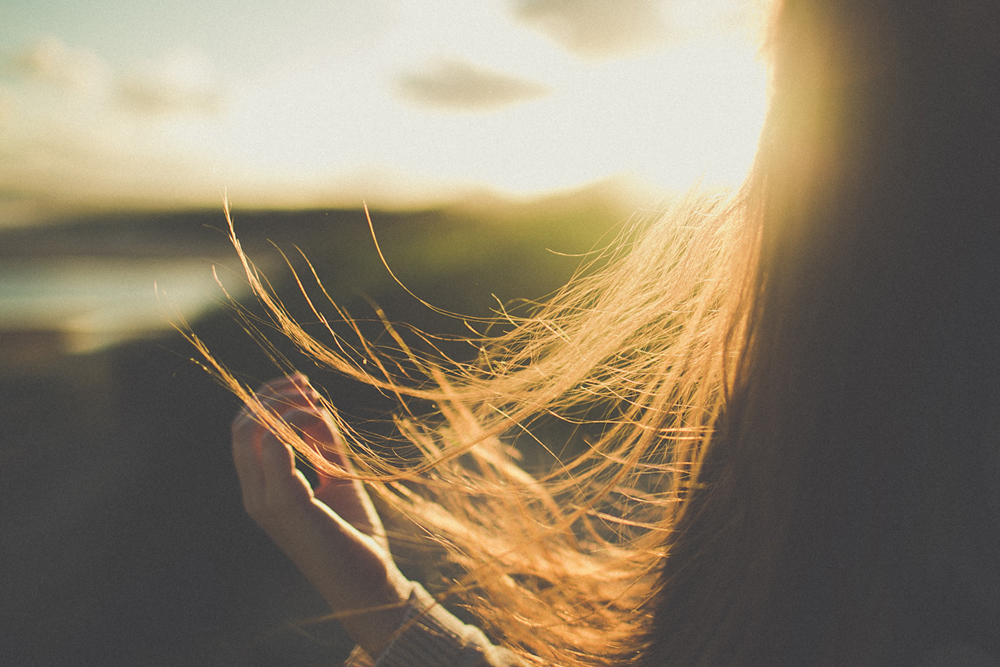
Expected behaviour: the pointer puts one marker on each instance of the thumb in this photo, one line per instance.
(283, 484)
(346, 497)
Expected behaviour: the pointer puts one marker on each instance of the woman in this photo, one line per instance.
(796, 457)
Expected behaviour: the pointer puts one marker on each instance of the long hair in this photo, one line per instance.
(844, 496)
(783, 396)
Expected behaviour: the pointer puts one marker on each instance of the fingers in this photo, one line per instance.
(266, 466)
(347, 497)
(249, 470)
(334, 536)
(294, 401)
(318, 429)
(280, 396)
(278, 464)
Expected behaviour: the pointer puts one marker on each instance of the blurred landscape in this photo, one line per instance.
(122, 535)
(497, 144)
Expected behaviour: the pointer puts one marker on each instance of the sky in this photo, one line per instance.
(134, 103)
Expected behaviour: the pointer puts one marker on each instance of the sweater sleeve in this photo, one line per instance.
(432, 637)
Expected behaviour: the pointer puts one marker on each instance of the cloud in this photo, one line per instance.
(108, 143)
(461, 86)
(598, 29)
(183, 81)
(51, 61)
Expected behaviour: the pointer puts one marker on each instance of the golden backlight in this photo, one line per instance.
(414, 104)
(348, 127)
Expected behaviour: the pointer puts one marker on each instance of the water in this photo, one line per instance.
(91, 303)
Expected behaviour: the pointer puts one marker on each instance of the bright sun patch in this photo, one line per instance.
(415, 100)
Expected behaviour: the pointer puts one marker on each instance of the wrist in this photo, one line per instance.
(373, 628)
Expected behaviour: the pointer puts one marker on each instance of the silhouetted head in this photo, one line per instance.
(849, 513)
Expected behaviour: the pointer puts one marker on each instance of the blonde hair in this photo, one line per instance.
(635, 356)
(743, 373)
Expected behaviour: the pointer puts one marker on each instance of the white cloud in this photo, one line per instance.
(182, 81)
(458, 85)
(602, 29)
(117, 141)
(393, 114)
(598, 28)
(51, 61)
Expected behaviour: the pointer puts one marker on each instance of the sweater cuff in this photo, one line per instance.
(431, 636)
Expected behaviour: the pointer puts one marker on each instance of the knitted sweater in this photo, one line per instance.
(432, 637)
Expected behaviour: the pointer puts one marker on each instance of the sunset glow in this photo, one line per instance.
(400, 100)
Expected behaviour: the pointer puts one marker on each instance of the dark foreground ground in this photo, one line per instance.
(122, 536)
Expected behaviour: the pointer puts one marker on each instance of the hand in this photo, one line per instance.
(333, 534)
